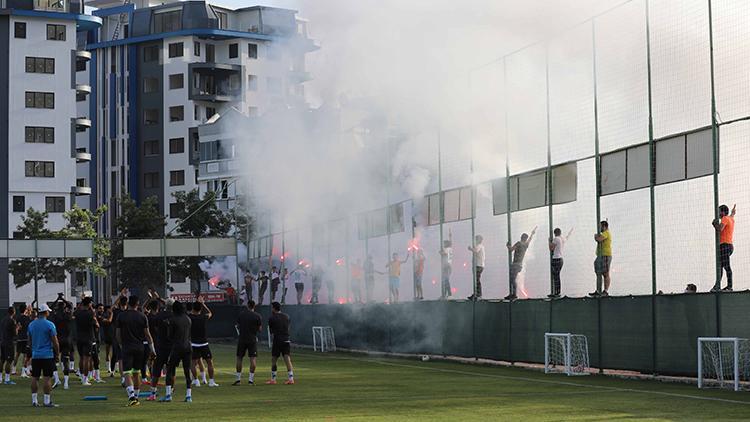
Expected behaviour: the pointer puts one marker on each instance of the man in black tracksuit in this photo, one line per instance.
(179, 337)
(279, 323)
(163, 346)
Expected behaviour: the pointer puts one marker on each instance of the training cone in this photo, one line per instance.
(95, 398)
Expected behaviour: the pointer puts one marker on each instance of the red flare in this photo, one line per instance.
(454, 290)
(434, 282)
(340, 262)
(342, 300)
(214, 280)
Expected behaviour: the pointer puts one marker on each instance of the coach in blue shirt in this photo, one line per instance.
(44, 347)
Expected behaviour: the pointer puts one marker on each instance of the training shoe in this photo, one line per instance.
(196, 383)
(9, 382)
(66, 387)
(50, 404)
(99, 381)
(271, 382)
(726, 289)
(24, 375)
(213, 384)
(165, 399)
(236, 382)
(250, 382)
(55, 384)
(511, 297)
(188, 399)
(86, 383)
(289, 382)
(133, 401)
(594, 294)
(35, 404)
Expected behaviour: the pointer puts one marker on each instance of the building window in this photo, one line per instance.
(177, 178)
(176, 49)
(40, 168)
(40, 65)
(174, 212)
(19, 29)
(151, 180)
(40, 99)
(150, 85)
(176, 81)
(151, 148)
(80, 66)
(210, 53)
(176, 113)
(234, 50)
(55, 274)
(113, 152)
(151, 116)
(167, 21)
(197, 48)
(252, 82)
(252, 51)
(39, 135)
(55, 32)
(54, 204)
(151, 53)
(273, 85)
(196, 112)
(176, 145)
(19, 203)
(222, 17)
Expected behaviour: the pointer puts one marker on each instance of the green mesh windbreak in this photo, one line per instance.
(734, 315)
(681, 319)
(458, 337)
(577, 316)
(491, 330)
(529, 322)
(626, 334)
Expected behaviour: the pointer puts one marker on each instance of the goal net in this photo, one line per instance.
(567, 353)
(724, 362)
(323, 339)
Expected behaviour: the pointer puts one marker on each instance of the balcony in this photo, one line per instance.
(80, 190)
(82, 156)
(52, 6)
(83, 90)
(209, 170)
(214, 82)
(81, 123)
(83, 55)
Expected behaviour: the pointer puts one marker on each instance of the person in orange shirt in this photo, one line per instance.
(724, 225)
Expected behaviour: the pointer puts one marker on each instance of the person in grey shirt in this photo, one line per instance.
(519, 251)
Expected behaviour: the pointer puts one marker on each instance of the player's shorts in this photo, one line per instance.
(133, 358)
(281, 348)
(394, 282)
(249, 347)
(107, 336)
(602, 264)
(66, 348)
(22, 347)
(44, 367)
(7, 351)
(202, 352)
(84, 347)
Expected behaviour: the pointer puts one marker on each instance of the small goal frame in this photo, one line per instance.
(318, 333)
(569, 369)
(735, 342)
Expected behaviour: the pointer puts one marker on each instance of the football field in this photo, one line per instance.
(352, 386)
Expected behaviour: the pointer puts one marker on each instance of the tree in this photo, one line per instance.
(33, 226)
(146, 221)
(80, 223)
(197, 218)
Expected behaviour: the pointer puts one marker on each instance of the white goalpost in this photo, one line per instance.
(323, 339)
(724, 362)
(566, 353)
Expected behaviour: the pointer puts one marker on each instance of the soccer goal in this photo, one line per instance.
(724, 362)
(323, 339)
(567, 353)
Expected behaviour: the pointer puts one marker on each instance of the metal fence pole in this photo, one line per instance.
(508, 205)
(598, 170)
(652, 183)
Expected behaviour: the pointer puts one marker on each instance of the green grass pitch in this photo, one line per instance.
(358, 387)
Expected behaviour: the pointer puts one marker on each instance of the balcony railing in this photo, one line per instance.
(52, 5)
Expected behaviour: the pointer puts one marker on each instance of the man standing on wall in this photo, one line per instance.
(519, 252)
(556, 246)
(357, 274)
(279, 323)
(262, 286)
(603, 259)
(394, 276)
(724, 225)
(446, 267)
(299, 284)
(369, 270)
(419, 259)
(275, 283)
(248, 326)
(478, 251)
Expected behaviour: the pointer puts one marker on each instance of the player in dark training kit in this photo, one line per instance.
(163, 345)
(86, 325)
(22, 343)
(248, 326)
(199, 316)
(278, 323)
(63, 320)
(179, 337)
(8, 332)
(131, 330)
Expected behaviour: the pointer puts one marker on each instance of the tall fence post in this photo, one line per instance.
(715, 152)
(598, 171)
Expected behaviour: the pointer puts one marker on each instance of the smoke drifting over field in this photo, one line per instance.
(391, 78)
